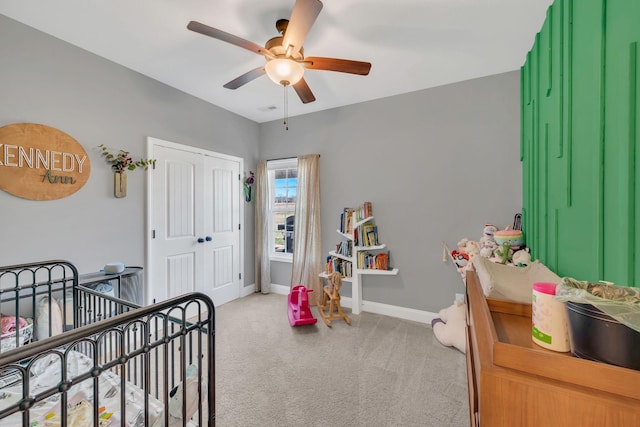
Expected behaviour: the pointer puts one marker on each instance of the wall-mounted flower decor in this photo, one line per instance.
(121, 162)
(248, 183)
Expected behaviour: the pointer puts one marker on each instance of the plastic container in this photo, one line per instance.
(549, 319)
(598, 336)
(514, 238)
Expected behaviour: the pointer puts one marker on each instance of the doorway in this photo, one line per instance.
(194, 213)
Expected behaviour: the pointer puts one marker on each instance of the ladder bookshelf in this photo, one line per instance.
(359, 253)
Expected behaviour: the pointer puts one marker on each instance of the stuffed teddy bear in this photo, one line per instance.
(449, 328)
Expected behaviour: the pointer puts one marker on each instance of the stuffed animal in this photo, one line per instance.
(462, 244)
(489, 230)
(503, 254)
(460, 258)
(487, 246)
(468, 247)
(472, 248)
(175, 401)
(449, 327)
(522, 258)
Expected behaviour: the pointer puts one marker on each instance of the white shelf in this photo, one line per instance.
(369, 248)
(392, 272)
(356, 280)
(324, 275)
(337, 255)
(362, 221)
(346, 236)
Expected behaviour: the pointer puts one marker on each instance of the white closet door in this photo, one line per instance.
(222, 208)
(195, 219)
(176, 264)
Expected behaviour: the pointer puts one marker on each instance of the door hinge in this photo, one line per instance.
(238, 177)
(238, 226)
(153, 234)
(240, 276)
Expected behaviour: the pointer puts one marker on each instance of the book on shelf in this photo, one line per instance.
(340, 265)
(366, 235)
(382, 261)
(346, 221)
(344, 248)
(372, 237)
(367, 261)
(364, 211)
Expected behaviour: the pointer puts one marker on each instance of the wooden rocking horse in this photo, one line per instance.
(331, 300)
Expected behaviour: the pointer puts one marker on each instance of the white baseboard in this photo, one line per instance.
(248, 290)
(394, 311)
(275, 289)
(280, 289)
(371, 307)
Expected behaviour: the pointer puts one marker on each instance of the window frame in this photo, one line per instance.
(272, 166)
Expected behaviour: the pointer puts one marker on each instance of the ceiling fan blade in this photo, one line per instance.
(303, 91)
(245, 78)
(226, 37)
(335, 64)
(303, 16)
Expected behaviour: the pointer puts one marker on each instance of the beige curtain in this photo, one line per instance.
(263, 200)
(307, 240)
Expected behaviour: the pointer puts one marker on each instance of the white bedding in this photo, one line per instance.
(46, 373)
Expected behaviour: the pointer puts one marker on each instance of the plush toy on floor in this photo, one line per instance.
(449, 327)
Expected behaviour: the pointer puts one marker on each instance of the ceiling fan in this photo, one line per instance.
(284, 53)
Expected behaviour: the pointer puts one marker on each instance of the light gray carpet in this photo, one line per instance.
(378, 371)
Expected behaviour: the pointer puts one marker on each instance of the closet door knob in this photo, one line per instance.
(208, 238)
(200, 240)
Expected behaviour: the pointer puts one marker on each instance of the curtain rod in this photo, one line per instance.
(284, 158)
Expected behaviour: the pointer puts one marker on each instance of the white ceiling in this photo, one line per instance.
(412, 44)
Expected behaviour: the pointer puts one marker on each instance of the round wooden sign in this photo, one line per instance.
(38, 162)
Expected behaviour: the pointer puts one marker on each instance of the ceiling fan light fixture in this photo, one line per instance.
(283, 71)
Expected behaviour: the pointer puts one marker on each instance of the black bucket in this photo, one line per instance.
(597, 336)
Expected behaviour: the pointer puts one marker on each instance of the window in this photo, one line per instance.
(283, 180)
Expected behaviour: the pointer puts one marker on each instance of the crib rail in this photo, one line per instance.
(150, 347)
(151, 365)
(24, 286)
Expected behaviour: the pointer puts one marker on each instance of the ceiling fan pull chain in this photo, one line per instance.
(286, 108)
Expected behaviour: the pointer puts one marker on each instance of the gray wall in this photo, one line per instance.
(44, 80)
(436, 164)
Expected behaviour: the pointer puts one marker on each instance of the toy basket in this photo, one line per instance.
(8, 340)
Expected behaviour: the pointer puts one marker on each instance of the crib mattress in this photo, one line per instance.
(46, 373)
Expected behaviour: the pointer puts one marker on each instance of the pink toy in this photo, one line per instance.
(9, 324)
(299, 310)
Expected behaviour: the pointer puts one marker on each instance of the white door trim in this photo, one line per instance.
(151, 143)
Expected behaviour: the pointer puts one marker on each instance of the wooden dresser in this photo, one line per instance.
(513, 382)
